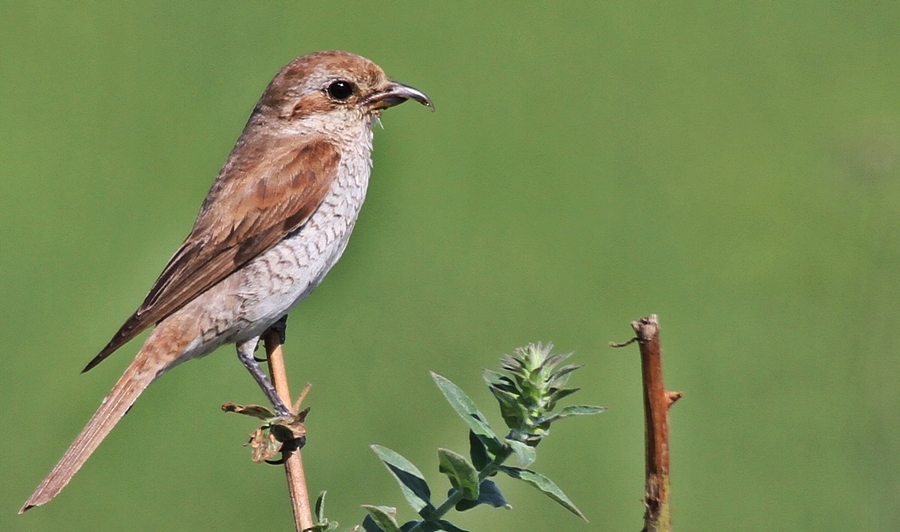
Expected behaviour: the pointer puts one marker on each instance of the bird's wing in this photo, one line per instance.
(253, 204)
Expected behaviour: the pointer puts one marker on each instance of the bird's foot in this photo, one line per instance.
(245, 352)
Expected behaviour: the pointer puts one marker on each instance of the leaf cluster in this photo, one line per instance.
(527, 390)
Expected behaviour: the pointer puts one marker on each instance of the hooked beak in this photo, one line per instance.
(395, 94)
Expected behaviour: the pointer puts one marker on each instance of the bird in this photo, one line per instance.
(276, 219)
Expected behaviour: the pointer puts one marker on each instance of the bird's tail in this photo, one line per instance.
(145, 368)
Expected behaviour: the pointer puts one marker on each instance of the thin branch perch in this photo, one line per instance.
(293, 463)
(657, 401)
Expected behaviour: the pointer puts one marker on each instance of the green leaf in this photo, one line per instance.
(551, 362)
(462, 474)
(412, 483)
(369, 525)
(431, 526)
(525, 454)
(322, 522)
(574, 410)
(488, 494)
(320, 506)
(478, 452)
(513, 412)
(559, 394)
(449, 527)
(383, 516)
(499, 380)
(511, 364)
(561, 376)
(545, 485)
(467, 410)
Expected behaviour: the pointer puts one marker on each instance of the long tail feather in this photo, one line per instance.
(136, 378)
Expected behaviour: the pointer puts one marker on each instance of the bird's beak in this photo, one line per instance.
(395, 94)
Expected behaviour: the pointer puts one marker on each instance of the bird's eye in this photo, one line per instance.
(340, 90)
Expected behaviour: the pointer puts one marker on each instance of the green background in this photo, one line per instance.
(731, 167)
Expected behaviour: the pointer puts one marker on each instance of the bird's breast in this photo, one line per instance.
(281, 277)
(249, 301)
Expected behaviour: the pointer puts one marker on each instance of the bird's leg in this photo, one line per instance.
(245, 352)
(280, 327)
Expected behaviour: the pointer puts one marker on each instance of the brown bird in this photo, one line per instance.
(275, 221)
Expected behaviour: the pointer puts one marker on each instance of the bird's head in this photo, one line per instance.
(334, 82)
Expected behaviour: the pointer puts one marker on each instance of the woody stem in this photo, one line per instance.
(293, 464)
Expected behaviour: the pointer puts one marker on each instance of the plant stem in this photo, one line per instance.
(456, 494)
(657, 400)
(293, 464)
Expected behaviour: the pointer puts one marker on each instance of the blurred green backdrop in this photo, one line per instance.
(731, 167)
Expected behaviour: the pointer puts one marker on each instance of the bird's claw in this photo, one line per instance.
(288, 447)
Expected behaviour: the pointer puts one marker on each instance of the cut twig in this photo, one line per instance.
(293, 463)
(657, 517)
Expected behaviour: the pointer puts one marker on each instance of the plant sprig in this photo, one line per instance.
(528, 389)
